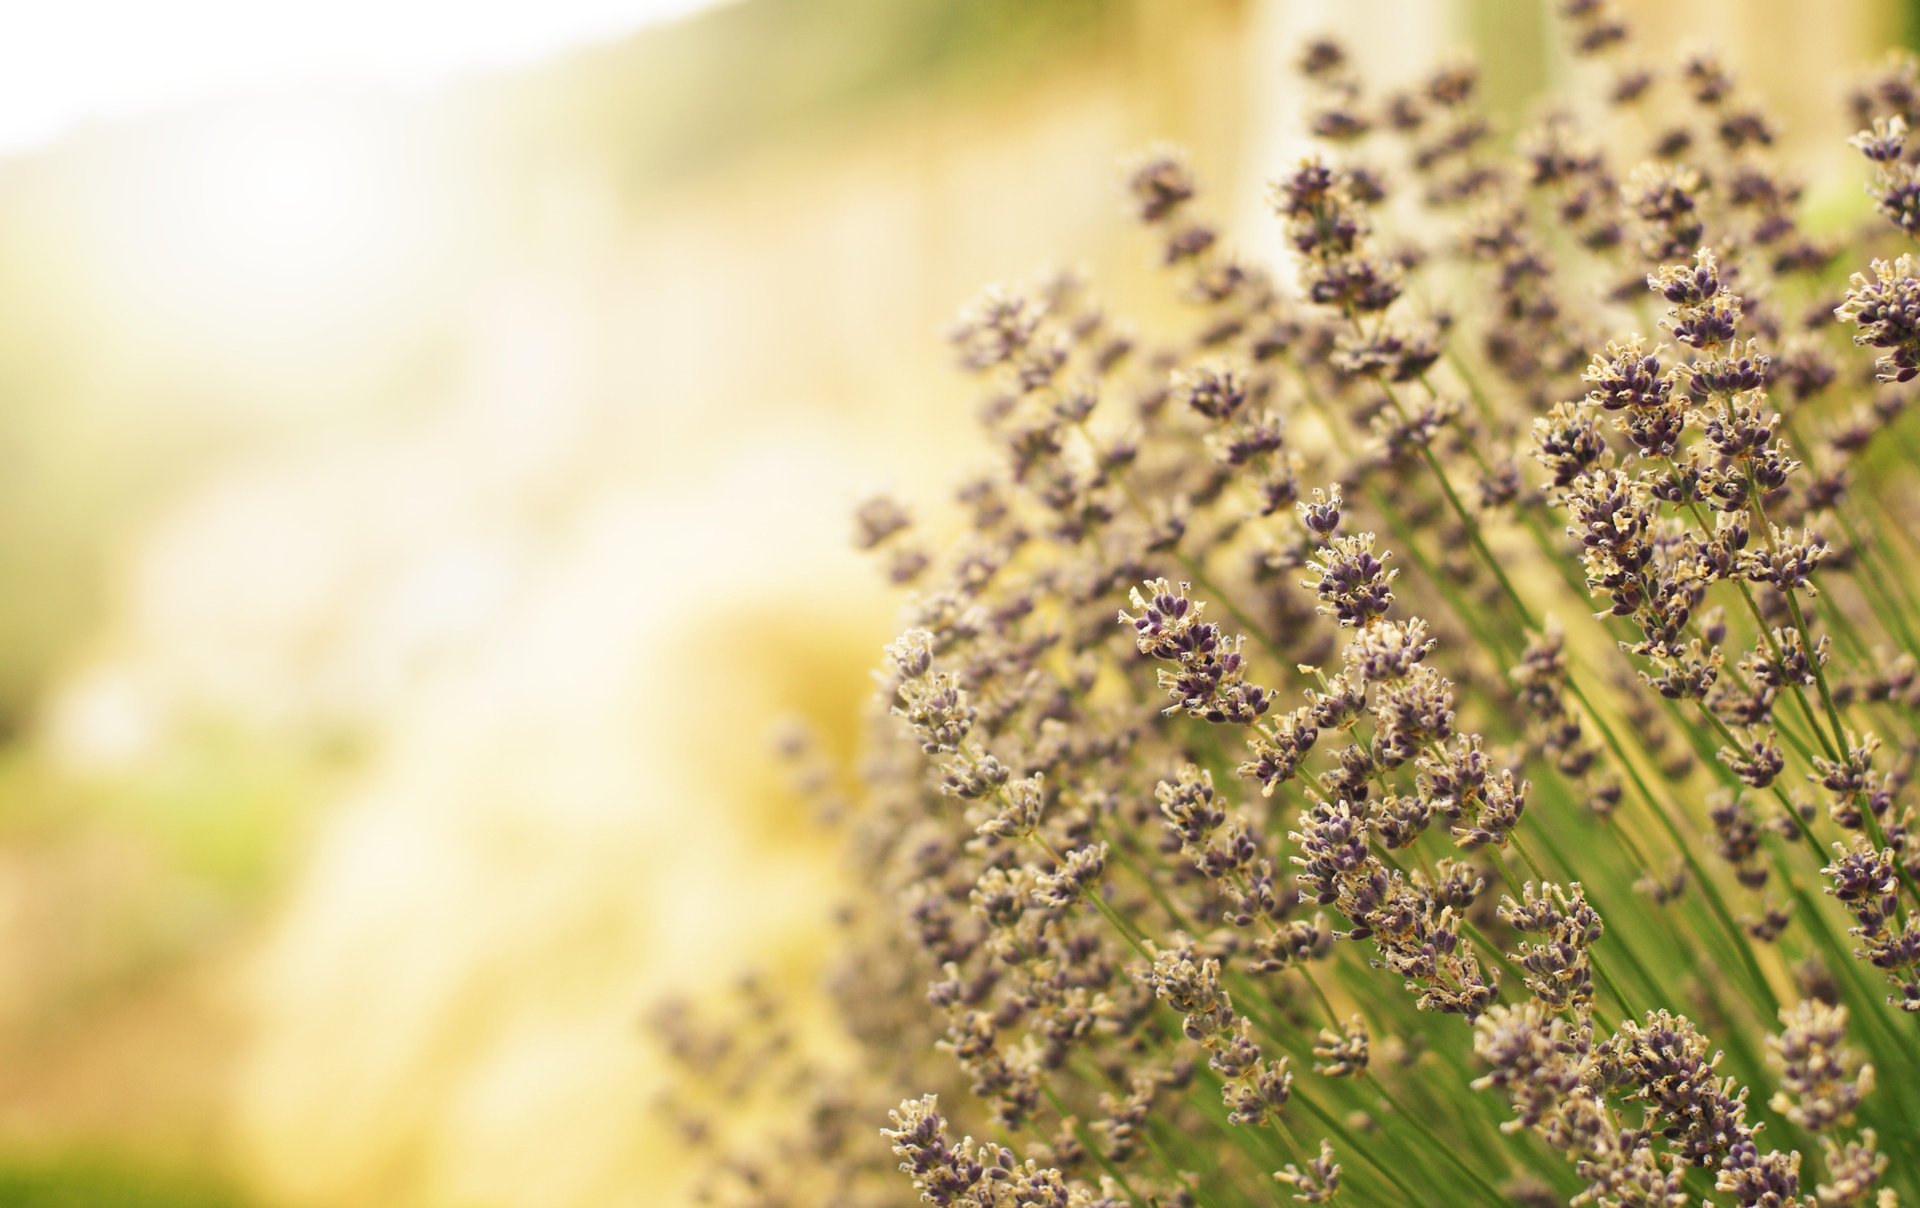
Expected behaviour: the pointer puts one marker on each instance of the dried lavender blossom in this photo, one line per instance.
(1489, 802)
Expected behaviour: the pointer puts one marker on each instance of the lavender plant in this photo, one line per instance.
(1495, 787)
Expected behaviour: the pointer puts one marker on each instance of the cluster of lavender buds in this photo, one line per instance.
(1497, 788)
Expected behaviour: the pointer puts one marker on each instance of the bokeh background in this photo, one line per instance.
(427, 435)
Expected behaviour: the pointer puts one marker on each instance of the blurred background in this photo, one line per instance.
(427, 436)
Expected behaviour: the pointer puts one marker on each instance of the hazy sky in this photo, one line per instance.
(65, 61)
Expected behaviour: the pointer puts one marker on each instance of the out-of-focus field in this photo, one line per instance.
(416, 511)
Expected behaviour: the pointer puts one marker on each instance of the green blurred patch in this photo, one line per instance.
(105, 1180)
(1518, 36)
(219, 802)
(225, 805)
(158, 866)
(742, 77)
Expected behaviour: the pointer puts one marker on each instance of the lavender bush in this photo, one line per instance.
(1495, 787)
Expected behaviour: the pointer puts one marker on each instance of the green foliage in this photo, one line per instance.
(106, 1180)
